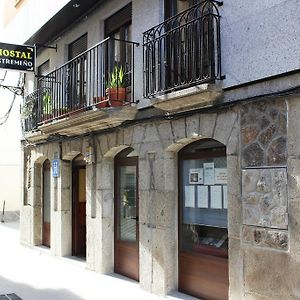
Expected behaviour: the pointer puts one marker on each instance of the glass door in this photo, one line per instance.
(126, 217)
(203, 235)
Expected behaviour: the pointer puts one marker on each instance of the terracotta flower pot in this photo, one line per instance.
(101, 102)
(116, 96)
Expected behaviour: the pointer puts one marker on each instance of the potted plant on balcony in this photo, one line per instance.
(115, 87)
(27, 108)
(47, 106)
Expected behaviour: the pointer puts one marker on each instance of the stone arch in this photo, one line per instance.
(105, 209)
(229, 137)
(70, 155)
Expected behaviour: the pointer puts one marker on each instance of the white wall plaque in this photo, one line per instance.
(220, 176)
(196, 176)
(202, 199)
(209, 173)
(189, 196)
(216, 196)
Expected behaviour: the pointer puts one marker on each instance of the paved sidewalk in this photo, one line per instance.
(33, 274)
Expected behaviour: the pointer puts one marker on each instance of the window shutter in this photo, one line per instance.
(78, 46)
(43, 69)
(121, 18)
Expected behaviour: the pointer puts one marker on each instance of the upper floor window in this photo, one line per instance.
(78, 46)
(43, 69)
(174, 7)
(118, 26)
(77, 73)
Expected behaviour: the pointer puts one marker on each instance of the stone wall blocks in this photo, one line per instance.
(235, 263)
(224, 126)
(294, 226)
(234, 175)
(269, 273)
(166, 134)
(128, 136)
(178, 128)
(264, 197)
(266, 237)
(107, 203)
(103, 143)
(138, 134)
(293, 177)
(120, 136)
(111, 140)
(151, 133)
(293, 132)
(166, 209)
(192, 125)
(234, 215)
(263, 133)
(233, 144)
(170, 174)
(207, 124)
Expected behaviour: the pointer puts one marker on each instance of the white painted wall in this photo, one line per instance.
(259, 39)
(33, 15)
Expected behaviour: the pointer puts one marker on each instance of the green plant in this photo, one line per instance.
(116, 78)
(47, 103)
(27, 108)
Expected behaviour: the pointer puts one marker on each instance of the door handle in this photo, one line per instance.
(135, 218)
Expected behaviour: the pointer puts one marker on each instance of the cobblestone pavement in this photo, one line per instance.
(33, 274)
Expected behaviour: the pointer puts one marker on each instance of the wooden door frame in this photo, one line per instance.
(43, 204)
(76, 165)
(119, 162)
(205, 153)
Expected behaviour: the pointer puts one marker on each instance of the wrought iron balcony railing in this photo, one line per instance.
(100, 77)
(184, 50)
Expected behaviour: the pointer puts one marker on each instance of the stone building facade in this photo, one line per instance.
(258, 134)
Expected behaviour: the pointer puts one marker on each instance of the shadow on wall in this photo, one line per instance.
(26, 292)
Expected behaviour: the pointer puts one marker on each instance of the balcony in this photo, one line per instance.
(90, 92)
(182, 59)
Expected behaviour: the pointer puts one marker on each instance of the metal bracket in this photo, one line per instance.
(46, 46)
(14, 89)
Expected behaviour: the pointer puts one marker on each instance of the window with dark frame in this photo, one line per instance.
(78, 72)
(179, 57)
(119, 28)
(203, 199)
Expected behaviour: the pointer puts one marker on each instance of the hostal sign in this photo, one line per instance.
(17, 57)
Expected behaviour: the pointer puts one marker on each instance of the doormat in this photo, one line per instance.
(10, 297)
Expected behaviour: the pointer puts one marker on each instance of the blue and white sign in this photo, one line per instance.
(55, 167)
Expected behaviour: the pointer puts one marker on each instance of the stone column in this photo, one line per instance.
(104, 230)
(158, 222)
(35, 199)
(62, 215)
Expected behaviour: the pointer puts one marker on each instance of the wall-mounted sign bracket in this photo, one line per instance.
(46, 46)
(14, 89)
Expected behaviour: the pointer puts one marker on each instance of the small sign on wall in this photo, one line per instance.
(55, 167)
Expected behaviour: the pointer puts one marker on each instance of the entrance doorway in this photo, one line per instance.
(46, 206)
(79, 207)
(203, 235)
(126, 236)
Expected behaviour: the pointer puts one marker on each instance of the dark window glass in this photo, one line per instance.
(118, 26)
(77, 73)
(78, 46)
(43, 69)
(174, 7)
